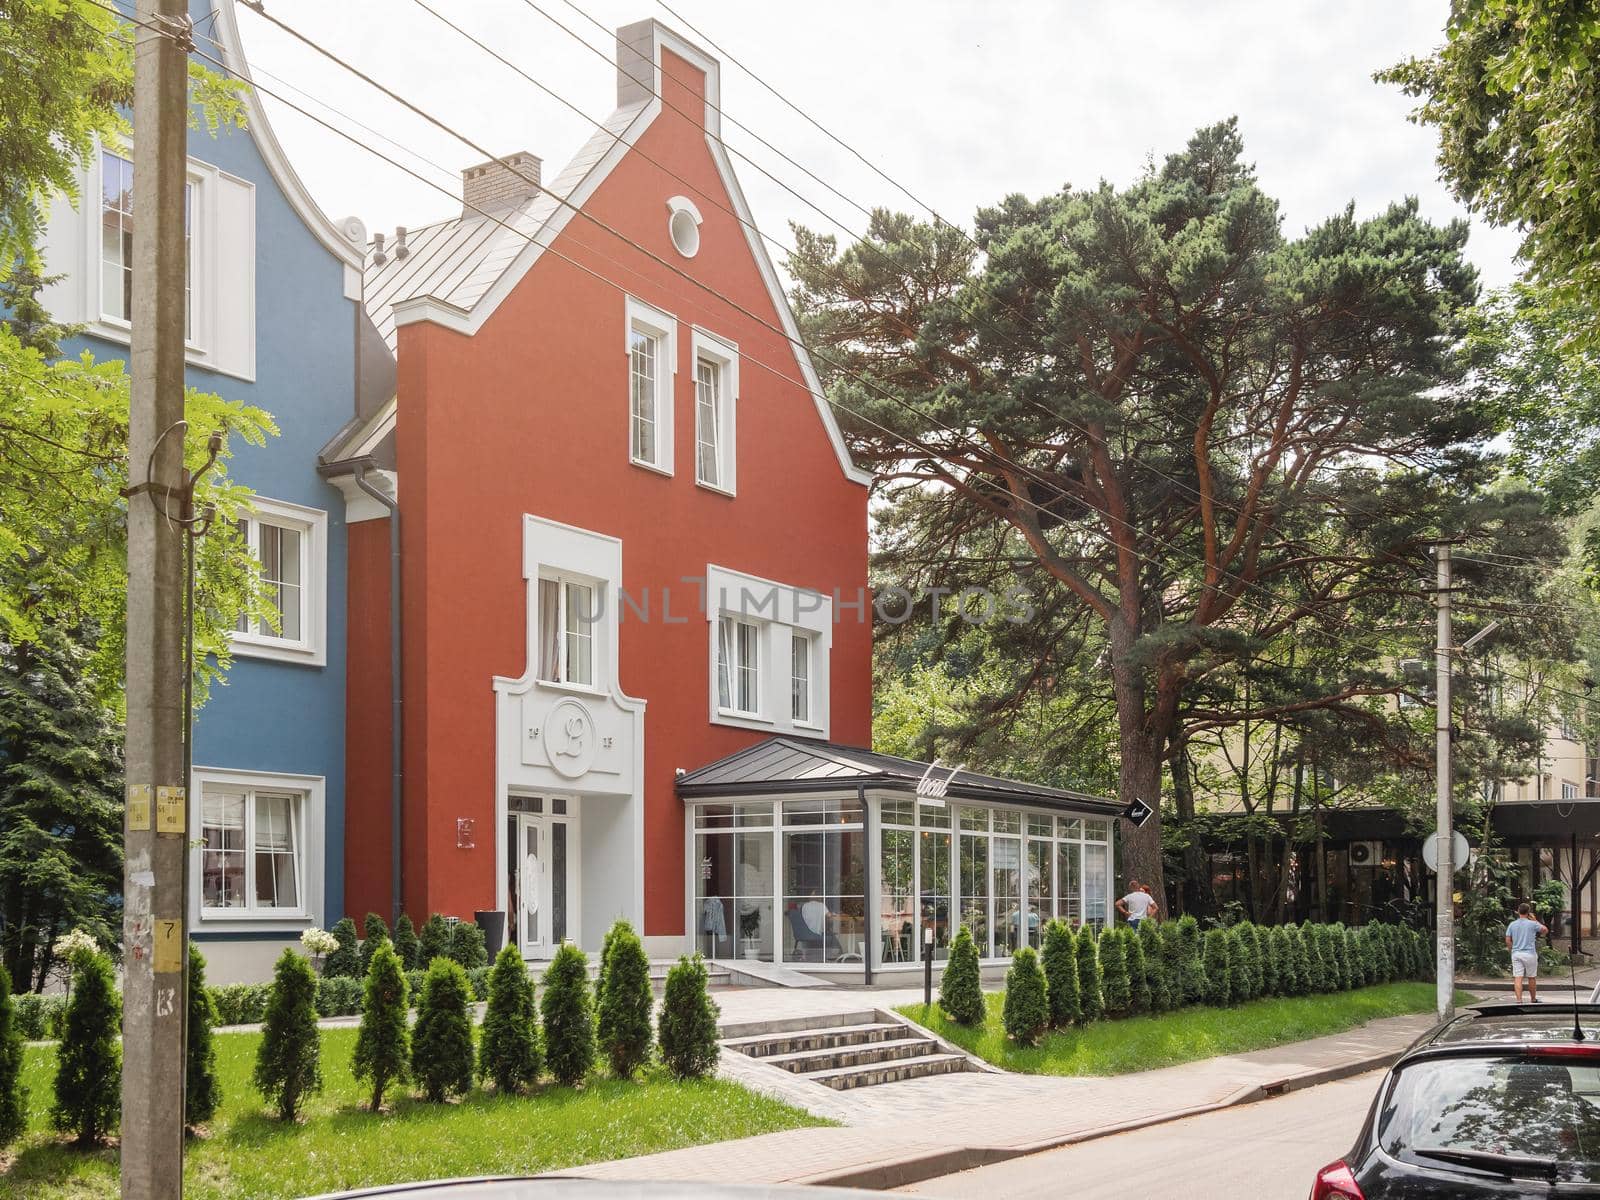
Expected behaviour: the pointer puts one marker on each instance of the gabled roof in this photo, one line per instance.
(785, 764)
(458, 271)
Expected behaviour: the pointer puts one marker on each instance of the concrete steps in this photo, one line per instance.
(845, 1050)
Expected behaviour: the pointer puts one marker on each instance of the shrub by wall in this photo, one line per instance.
(373, 931)
(1141, 1000)
(289, 1058)
(1026, 1012)
(623, 1016)
(1189, 954)
(405, 943)
(1155, 965)
(508, 1046)
(960, 987)
(568, 1013)
(202, 1088)
(39, 1017)
(383, 1043)
(1216, 967)
(339, 995)
(441, 1043)
(687, 1031)
(1241, 965)
(1115, 987)
(1091, 1000)
(88, 1091)
(1060, 965)
(468, 947)
(344, 961)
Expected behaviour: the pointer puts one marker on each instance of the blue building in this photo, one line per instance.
(275, 320)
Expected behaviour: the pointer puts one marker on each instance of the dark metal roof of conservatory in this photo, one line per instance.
(783, 765)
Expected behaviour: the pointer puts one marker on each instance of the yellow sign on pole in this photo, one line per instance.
(168, 950)
(138, 806)
(171, 809)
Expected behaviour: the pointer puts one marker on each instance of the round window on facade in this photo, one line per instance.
(683, 223)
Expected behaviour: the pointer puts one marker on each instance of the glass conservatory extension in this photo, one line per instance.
(803, 872)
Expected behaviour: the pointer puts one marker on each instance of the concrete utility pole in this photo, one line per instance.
(1445, 835)
(155, 829)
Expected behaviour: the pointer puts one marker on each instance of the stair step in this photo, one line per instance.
(809, 1061)
(766, 1045)
(844, 1078)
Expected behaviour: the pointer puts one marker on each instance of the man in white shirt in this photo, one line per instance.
(1137, 904)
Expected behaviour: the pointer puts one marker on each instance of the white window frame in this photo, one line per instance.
(801, 637)
(310, 648)
(311, 790)
(597, 594)
(1569, 790)
(724, 355)
(778, 611)
(645, 319)
(728, 629)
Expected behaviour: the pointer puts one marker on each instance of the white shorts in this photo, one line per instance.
(1525, 964)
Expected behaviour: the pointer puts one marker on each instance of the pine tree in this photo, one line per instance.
(961, 985)
(1138, 972)
(623, 1017)
(60, 802)
(373, 931)
(1155, 966)
(568, 1016)
(1339, 945)
(441, 1043)
(383, 1043)
(1216, 967)
(1300, 954)
(1316, 964)
(508, 1046)
(433, 942)
(289, 1058)
(605, 961)
(1115, 987)
(405, 943)
(1356, 960)
(13, 1095)
(1283, 960)
(1240, 971)
(687, 1031)
(1267, 956)
(202, 1088)
(1194, 977)
(1175, 958)
(1026, 1012)
(89, 1059)
(1060, 960)
(1091, 1000)
(467, 946)
(344, 960)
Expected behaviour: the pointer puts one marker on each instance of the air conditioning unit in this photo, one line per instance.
(1366, 854)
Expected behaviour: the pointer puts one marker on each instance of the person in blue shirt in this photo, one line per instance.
(1522, 939)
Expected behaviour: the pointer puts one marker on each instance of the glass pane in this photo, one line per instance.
(713, 816)
(707, 433)
(748, 658)
(1041, 890)
(753, 814)
(1096, 882)
(713, 924)
(279, 550)
(558, 805)
(513, 884)
(896, 869)
(725, 662)
(897, 812)
(1039, 826)
(1069, 878)
(116, 236)
(822, 812)
(800, 677)
(753, 887)
(824, 908)
(558, 882)
(275, 850)
(580, 618)
(1069, 827)
(549, 627)
(642, 398)
(933, 816)
(934, 897)
(532, 879)
(222, 858)
(975, 818)
(975, 889)
(1096, 831)
(1007, 820)
(1008, 914)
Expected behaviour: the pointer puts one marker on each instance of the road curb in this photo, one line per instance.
(888, 1173)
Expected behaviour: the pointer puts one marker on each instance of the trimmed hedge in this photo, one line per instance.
(1060, 961)
(1026, 1014)
(960, 988)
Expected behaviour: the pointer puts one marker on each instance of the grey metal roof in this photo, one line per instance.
(784, 764)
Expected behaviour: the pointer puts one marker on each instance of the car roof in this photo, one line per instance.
(1502, 1025)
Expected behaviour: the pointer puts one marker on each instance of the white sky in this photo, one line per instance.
(962, 103)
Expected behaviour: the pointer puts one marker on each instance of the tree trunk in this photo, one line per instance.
(1193, 894)
(1139, 775)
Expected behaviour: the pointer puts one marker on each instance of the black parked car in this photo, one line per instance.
(1503, 1100)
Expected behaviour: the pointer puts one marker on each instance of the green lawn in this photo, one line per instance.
(251, 1156)
(1140, 1043)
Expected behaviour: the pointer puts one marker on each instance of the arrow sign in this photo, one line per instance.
(1138, 812)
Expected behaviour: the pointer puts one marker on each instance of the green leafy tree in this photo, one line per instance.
(433, 942)
(373, 932)
(202, 1088)
(344, 960)
(1091, 999)
(1115, 987)
(60, 803)
(289, 1057)
(405, 942)
(1217, 967)
(1026, 1012)
(567, 1012)
(467, 946)
(1512, 93)
(13, 1094)
(1155, 966)
(383, 1043)
(1070, 391)
(1142, 998)
(508, 1047)
(624, 1007)
(441, 1043)
(961, 985)
(687, 1027)
(1060, 964)
(89, 1059)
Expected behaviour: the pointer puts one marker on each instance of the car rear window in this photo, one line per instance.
(1534, 1115)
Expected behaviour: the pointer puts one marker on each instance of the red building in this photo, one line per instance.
(632, 549)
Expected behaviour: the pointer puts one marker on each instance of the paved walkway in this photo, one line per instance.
(897, 1133)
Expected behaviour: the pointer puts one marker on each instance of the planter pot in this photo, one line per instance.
(750, 947)
(493, 924)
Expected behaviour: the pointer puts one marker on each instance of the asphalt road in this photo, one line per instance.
(1267, 1150)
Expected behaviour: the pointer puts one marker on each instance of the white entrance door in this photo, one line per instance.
(541, 886)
